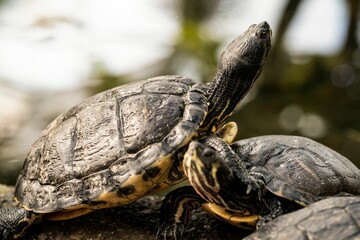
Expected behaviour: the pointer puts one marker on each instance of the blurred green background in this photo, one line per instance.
(53, 54)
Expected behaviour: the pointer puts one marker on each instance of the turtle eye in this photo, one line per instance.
(208, 153)
(262, 33)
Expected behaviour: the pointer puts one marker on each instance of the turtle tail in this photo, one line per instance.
(13, 221)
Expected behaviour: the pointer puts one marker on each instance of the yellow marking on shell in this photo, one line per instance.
(307, 169)
(164, 181)
(228, 132)
(111, 199)
(57, 216)
(245, 221)
(79, 206)
(141, 187)
(279, 192)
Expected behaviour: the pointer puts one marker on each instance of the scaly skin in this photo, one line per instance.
(13, 221)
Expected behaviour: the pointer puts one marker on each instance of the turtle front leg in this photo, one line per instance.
(175, 212)
(13, 221)
(231, 170)
(273, 207)
(255, 183)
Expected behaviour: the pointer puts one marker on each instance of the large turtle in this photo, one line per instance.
(126, 142)
(254, 180)
(336, 218)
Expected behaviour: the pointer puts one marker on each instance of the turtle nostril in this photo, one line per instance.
(264, 24)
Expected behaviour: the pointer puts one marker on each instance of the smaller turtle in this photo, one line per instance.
(332, 219)
(252, 181)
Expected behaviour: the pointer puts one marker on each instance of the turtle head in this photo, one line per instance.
(250, 48)
(214, 172)
(239, 66)
(207, 173)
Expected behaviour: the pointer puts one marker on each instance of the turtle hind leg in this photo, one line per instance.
(175, 212)
(13, 221)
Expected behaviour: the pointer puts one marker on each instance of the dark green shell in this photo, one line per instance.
(331, 219)
(113, 148)
(299, 168)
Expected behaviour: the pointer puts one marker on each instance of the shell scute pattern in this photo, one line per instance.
(95, 184)
(101, 152)
(304, 172)
(150, 107)
(68, 193)
(333, 218)
(172, 86)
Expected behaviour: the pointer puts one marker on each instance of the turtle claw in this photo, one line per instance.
(256, 184)
(175, 211)
(4, 234)
(275, 211)
(262, 221)
(173, 231)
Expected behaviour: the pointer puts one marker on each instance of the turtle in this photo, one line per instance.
(253, 181)
(127, 142)
(332, 219)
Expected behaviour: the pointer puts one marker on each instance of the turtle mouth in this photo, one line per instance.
(244, 220)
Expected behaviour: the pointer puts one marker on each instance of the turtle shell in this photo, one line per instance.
(332, 219)
(113, 148)
(299, 169)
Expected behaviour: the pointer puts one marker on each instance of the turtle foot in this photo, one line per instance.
(13, 222)
(175, 211)
(174, 231)
(256, 184)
